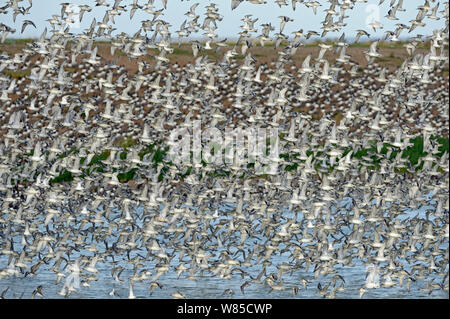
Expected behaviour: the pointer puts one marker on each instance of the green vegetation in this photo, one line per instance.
(146, 150)
(17, 74)
(65, 176)
(71, 70)
(387, 44)
(123, 155)
(73, 150)
(101, 42)
(219, 173)
(391, 59)
(185, 174)
(127, 176)
(126, 142)
(97, 159)
(212, 55)
(337, 117)
(368, 157)
(18, 41)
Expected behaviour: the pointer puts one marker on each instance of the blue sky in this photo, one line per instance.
(229, 26)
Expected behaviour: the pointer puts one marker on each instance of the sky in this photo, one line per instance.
(229, 27)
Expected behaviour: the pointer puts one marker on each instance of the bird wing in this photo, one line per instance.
(235, 4)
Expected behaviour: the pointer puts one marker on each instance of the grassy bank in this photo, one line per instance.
(157, 154)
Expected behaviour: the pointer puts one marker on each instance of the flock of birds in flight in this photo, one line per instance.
(73, 111)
